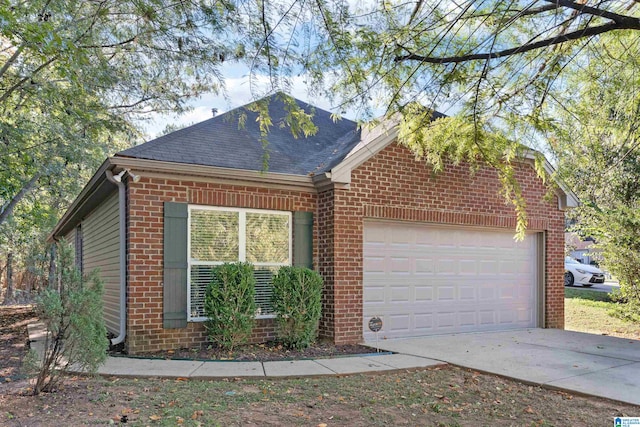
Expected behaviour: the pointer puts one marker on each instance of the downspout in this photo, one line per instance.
(123, 255)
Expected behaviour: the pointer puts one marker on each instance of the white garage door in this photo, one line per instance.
(425, 280)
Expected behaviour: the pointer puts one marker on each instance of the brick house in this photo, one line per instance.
(428, 254)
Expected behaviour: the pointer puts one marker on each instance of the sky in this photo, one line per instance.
(239, 92)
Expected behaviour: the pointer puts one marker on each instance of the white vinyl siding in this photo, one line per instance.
(425, 279)
(101, 250)
(218, 235)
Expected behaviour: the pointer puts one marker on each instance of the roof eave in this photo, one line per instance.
(85, 199)
(94, 192)
(301, 182)
(567, 199)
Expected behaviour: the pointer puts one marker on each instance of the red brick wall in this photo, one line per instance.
(145, 254)
(393, 185)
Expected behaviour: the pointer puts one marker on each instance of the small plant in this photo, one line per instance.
(297, 302)
(73, 317)
(230, 304)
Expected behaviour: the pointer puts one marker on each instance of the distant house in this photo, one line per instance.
(582, 250)
(427, 253)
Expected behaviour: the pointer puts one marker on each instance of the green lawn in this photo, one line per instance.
(588, 311)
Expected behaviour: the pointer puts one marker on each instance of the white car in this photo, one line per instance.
(581, 274)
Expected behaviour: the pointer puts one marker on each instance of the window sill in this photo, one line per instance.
(204, 319)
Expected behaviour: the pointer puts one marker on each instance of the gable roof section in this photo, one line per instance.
(222, 142)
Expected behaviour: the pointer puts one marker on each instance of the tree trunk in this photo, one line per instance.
(52, 267)
(6, 210)
(8, 296)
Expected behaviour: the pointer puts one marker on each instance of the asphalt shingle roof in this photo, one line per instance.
(221, 142)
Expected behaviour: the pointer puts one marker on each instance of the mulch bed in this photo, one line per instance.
(270, 351)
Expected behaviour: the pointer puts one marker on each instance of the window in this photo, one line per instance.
(219, 235)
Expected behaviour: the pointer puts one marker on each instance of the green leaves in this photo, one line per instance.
(73, 316)
(296, 299)
(459, 140)
(596, 134)
(230, 304)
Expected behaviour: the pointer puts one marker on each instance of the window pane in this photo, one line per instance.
(200, 278)
(267, 238)
(264, 289)
(214, 235)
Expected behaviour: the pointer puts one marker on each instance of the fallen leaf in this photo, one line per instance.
(155, 417)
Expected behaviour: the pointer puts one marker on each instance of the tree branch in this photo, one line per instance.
(583, 8)
(629, 24)
(11, 60)
(25, 79)
(6, 210)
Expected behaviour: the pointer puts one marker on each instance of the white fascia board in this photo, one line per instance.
(372, 142)
(566, 197)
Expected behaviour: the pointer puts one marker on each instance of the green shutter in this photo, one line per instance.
(175, 265)
(303, 239)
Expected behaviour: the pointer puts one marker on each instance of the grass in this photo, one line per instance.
(590, 311)
(447, 396)
(441, 396)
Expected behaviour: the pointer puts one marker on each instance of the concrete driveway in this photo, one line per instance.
(590, 364)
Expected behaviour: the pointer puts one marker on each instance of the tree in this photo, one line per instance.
(594, 129)
(76, 79)
(75, 74)
(492, 64)
(76, 333)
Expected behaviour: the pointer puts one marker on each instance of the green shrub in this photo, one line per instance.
(230, 304)
(74, 318)
(297, 302)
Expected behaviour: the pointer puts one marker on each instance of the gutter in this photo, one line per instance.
(123, 255)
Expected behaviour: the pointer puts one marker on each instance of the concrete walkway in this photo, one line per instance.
(138, 367)
(589, 364)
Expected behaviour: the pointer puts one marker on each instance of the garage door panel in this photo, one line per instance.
(423, 279)
(467, 293)
(399, 323)
(446, 319)
(373, 265)
(423, 321)
(424, 266)
(400, 294)
(423, 293)
(486, 317)
(446, 266)
(400, 265)
(467, 318)
(446, 293)
(468, 267)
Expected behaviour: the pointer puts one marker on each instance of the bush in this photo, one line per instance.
(230, 304)
(74, 318)
(297, 301)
